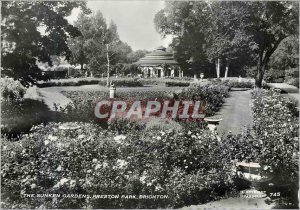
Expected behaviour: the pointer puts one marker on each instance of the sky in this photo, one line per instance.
(134, 20)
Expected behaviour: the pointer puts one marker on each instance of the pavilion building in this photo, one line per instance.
(159, 63)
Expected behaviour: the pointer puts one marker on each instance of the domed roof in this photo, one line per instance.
(157, 57)
(160, 48)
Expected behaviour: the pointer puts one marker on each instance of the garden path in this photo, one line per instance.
(235, 112)
(52, 97)
(234, 203)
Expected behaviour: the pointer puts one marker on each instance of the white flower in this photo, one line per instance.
(193, 136)
(104, 164)
(52, 138)
(95, 160)
(33, 186)
(142, 179)
(46, 142)
(81, 136)
(158, 138)
(89, 171)
(72, 183)
(189, 133)
(97, 166)
(119, 137)
(122, 163)
(162, 133)
(63, 181)
(158, 187)
(59, 168)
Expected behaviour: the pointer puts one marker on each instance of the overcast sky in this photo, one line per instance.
(134, 19)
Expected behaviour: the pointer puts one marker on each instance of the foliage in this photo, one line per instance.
(286, 56)
(122, 82)
(69, 82)
(189, 167)
(274, 75)
(210, 30)
(212, 94)
(234, 83)
(292, 76)
(243, 146)
(179, 84)
(11, 89)
(98, 45)
(276, 125)
(22, 41)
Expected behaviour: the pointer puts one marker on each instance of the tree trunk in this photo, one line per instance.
(218, 67)
(260, 72)
(259, 75)
(226, 70)
(107, 57)
(81, 66)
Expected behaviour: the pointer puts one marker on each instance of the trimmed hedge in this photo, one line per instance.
(122, 82)
(69, 82)
(178, 84)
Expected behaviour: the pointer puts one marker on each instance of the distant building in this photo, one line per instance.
(159, 63)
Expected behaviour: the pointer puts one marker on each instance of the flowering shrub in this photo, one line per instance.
(214, 95)
(11, 89)
(190, 167)
(276, 128)
(243, 146)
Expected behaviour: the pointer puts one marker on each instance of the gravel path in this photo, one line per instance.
(236, 112)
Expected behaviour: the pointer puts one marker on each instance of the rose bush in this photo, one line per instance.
(190, 166)
(11, 90)
(277, 128)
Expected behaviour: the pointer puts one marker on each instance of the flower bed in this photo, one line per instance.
(213, 94)
(276, 125)
(190, 167)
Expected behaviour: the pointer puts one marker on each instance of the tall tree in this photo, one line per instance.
(34, 31)
(77, 44)
(265, 24)
(228, 29)
(99, 45)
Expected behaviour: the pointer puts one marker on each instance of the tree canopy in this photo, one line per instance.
(34, 31)
(98, 45)
(209, 31)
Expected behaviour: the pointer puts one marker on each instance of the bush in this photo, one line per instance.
(274, 75)
(190, 167)
(69, 82)
(122, 82)
(213, 95)
(11, 89)
(236, 84)
(292, 77)
(179, 84)
(164, 81)
(276, 127)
